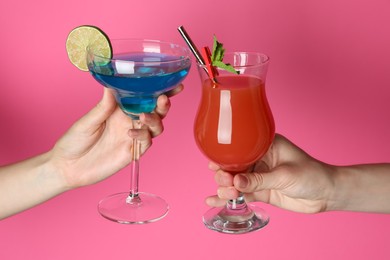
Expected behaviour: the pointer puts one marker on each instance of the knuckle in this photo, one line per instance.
(258, 181)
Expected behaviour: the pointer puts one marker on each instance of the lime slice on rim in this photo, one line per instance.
(83, 36)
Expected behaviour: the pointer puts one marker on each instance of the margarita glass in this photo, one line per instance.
(138, 72)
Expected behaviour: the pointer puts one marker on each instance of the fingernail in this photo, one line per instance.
(227, 193)
(220, 193)
(242, 181)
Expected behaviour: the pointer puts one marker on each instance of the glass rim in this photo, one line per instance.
(187, 55)
(258, 64)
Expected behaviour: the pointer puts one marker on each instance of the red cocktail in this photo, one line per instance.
(234, 128)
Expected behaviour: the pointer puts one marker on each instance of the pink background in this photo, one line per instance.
(328, 86)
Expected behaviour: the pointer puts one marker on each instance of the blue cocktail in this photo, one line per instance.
(138, 72)
(139, 78)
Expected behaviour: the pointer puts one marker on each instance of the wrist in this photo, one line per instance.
(347, 189)
(362, 188)
(339, 180)
(57, 171)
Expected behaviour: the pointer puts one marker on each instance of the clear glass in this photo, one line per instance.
(234, 128)
(139, 71)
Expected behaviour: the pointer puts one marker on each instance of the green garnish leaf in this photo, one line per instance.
(224, 66)
(218, 50)
(217, 57)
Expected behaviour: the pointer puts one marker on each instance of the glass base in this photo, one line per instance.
(224, 220)
(141, 209)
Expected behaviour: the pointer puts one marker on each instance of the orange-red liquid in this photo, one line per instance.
(234, 130)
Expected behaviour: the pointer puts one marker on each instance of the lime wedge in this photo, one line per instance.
(80, 38)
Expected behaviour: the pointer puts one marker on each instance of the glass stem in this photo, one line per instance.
(238, 203)
(134, 168)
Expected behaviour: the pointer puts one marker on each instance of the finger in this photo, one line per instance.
(223, 179)
(213, 166)
(143, 137)
(251, 182)
(175, 91)
(154, 123)
(252, 190)
(215, 201)
(263, 196)
(163, 105)
(228, 193)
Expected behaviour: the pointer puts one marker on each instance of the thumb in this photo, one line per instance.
(96, 116)
(251, 182)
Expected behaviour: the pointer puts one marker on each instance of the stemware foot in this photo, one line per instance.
(221, 220)
(142, 209)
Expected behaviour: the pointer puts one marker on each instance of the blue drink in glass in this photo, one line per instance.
(139, 78)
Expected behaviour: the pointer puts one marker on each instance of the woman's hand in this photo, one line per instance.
(100, 143)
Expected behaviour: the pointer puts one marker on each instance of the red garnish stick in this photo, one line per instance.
(206, 55)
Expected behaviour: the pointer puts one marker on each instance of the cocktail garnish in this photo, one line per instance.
(206, 59)
(87, 36)
(206, 54)
(217, 57)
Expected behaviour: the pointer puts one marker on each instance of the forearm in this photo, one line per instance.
(363, 188)
(28, 183)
